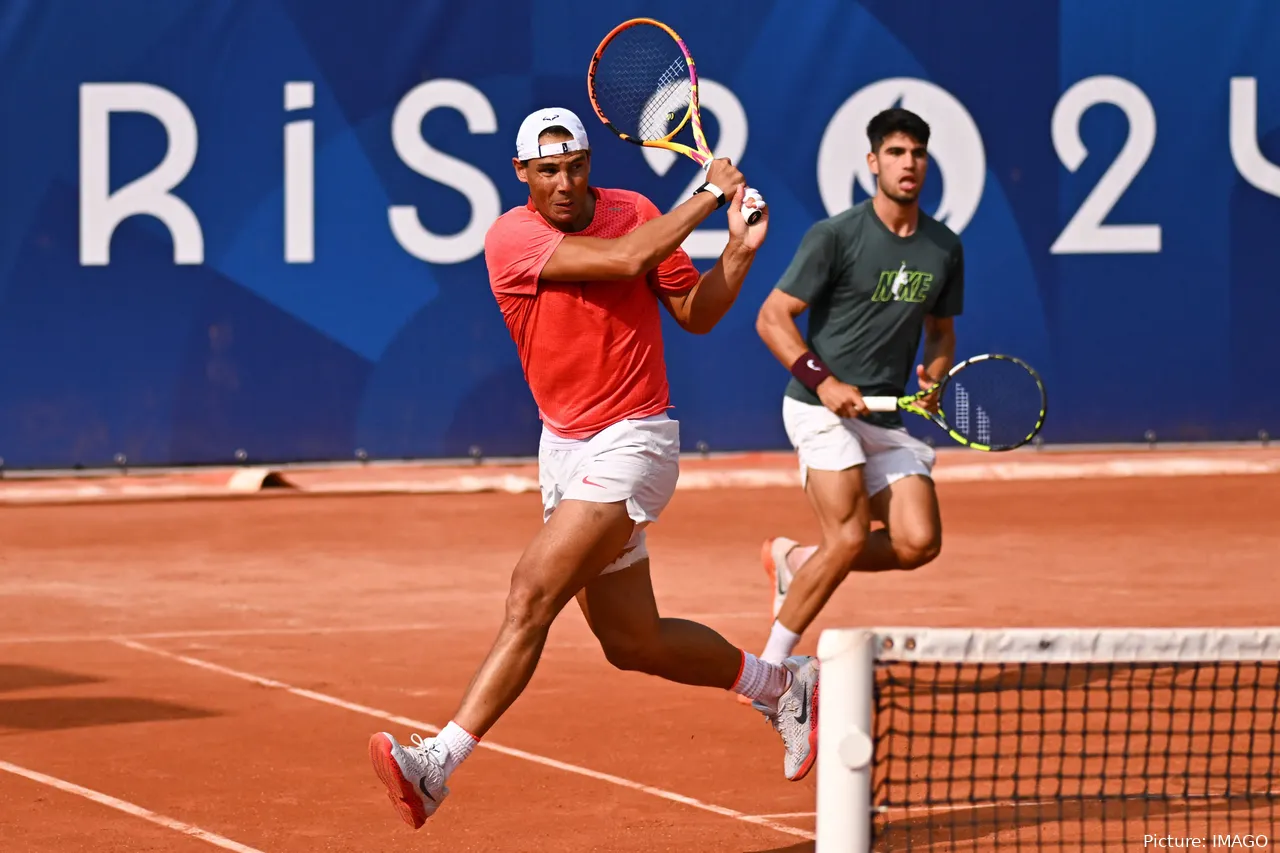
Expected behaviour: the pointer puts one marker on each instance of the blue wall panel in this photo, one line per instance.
(396, 346)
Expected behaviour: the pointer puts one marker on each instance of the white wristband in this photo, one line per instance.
(714, 191)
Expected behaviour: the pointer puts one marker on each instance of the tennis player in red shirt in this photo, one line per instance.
(581, 275)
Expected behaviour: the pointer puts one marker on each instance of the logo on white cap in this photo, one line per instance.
(527, 147)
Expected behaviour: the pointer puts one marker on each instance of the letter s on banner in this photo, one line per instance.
(406, 135)
(102, 210)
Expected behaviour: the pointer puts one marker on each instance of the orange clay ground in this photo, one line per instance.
(187, 675)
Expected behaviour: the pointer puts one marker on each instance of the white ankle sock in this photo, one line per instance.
(761, 681)
(460, 743)
(782, 643)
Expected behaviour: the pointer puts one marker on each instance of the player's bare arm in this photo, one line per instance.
(776, 325)
(939, 354)
(700, 309)
(594, 258)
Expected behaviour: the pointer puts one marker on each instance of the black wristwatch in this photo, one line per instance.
(715, 191)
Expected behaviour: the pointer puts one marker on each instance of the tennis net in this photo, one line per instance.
(1028, 739)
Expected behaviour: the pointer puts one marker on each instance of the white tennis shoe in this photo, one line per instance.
(796, 717)
(414, 775)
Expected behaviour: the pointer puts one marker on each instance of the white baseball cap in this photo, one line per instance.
(527, 147)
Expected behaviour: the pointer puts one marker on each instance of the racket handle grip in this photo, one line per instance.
(752, 214)
(881, 404)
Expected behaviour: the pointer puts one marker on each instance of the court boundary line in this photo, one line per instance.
(213, 633)
(513, 752)
(128, 808)
(333, 630)
(787, 815)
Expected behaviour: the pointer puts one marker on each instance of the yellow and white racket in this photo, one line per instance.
(988, 402)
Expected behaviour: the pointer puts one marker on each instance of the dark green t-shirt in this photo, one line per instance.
(868, 292)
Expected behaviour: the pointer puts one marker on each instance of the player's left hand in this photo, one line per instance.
(751, 237)
(930, 402)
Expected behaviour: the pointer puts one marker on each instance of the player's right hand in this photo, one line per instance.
(843, 399)
(726, 176)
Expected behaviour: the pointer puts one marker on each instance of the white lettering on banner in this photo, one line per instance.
(717, 100)
(101, 210)
(406, 135)
(956, 151)
(299, 177)
(1245, 153)
(1086, 233)
(955, 147)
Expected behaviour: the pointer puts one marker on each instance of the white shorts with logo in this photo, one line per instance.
(824, 441)
(636, 461)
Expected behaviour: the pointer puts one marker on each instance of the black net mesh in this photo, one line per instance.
(1081, 756)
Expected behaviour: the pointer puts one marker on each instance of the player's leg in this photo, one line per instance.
(620, 608)
(912, 533)
(575, 544)
(911, 536)
(578, 539)
(899, 480)
(832, 464)
(843, 509)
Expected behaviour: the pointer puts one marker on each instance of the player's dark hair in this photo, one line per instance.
(557, 131)
(896, 120)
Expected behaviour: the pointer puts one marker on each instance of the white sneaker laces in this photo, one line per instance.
(421, 744)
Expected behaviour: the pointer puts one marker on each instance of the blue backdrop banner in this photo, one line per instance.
(258, 225)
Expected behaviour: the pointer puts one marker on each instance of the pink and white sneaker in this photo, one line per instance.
(414, 775)
(773, 556)
(796, 717)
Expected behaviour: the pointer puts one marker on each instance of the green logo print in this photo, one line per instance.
(902, 285)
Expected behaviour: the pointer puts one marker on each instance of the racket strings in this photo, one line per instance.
(642, 84)
(997, 403)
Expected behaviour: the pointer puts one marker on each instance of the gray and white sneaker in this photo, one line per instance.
(414, 775)
(796, 717)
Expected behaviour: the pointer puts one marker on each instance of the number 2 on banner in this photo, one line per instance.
(721, 102)
(1086, 233)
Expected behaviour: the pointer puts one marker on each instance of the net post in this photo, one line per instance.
(845, 748)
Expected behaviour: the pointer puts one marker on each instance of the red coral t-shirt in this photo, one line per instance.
(592, 350)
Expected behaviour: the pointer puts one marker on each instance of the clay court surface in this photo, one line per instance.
(221, 663)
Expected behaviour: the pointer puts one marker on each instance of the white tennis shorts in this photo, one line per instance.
(637, 461)
(824, 441)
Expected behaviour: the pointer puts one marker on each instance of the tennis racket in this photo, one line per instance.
(644, 87)
(987, 402)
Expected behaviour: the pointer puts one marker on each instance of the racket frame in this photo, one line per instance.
(908, 403)
(702, 154)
